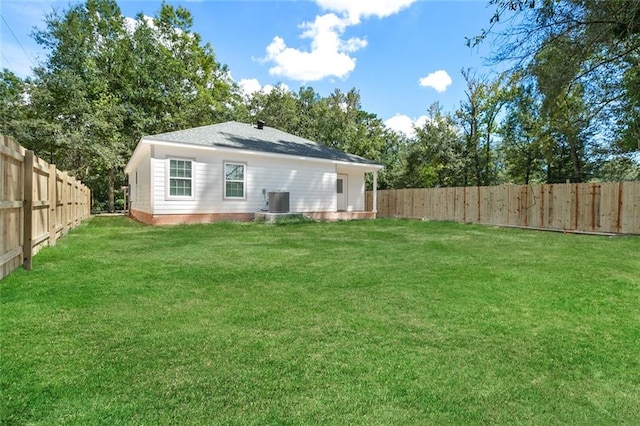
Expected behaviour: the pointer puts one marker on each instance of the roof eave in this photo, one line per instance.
(134, 155)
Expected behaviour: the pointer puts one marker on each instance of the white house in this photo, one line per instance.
(227, 171)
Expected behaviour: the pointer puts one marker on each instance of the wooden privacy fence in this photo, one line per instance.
(38, 205)
(612, 207)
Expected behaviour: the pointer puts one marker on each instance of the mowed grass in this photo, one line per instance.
(368, 322)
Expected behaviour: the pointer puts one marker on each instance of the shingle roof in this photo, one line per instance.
(245, 136)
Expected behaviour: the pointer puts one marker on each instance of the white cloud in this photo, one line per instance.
(421, 121)
(328, 57)
(404, 124)
(356, 10)
(329, 54)
(249, 86)
(252, 85)
(131, 24)
(268, 88)
(438, 80)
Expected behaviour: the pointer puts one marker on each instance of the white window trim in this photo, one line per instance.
(224, 181)
(167, 192)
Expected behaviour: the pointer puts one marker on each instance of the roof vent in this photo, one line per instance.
(260, 124)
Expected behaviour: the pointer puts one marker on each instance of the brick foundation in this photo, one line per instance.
(333, 216)
(177, 219)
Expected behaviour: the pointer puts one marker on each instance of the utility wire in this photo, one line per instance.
(7, 62)
(19, 44)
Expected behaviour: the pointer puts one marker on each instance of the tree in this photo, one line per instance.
(394, 158)
(478, 116)
(436, 157)
(106, 83)
(629, 111)
(12, 103)
(569, 124)
(310, 112)
(342, 124)
(620, 168)
(76, 89)
(591, 43)
(177, 81)
(523, 134)
(338, 126)
(279, 108)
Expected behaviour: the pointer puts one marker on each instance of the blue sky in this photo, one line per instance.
(402, 55)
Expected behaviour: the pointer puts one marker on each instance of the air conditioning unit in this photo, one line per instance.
(278, 202)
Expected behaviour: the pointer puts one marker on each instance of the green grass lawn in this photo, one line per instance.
(368, 322)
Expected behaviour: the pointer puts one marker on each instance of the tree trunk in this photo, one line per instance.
(575, 161)
(487, 159)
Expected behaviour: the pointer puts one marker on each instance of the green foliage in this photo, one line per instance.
(590, 43)
(523, 137)
(546, 139)
(629, 113)
(279, 109)
(104, 85)
(619, 168)
(478, 115)
(12, 103)
(436, 156)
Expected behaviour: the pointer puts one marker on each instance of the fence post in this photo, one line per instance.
(53, 202)
(479, 205)
(27, 245)
(464, 205)
(619, 212)
(65, 205)
(76, 202)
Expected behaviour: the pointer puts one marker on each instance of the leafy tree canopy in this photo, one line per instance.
(591, 43)
(108, 81)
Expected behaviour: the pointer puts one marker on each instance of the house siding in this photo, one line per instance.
(311, 184)
(140, 184)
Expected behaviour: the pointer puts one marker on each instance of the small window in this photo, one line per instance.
(340, 188)
(180, 178)
(234, 180)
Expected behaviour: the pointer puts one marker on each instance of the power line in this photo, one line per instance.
(8, 62)
(19, 44)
